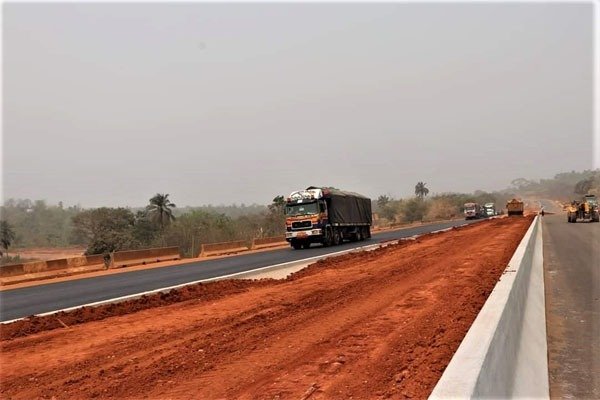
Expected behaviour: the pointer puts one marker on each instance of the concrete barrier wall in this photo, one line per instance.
(11, 270)
(20, 269)
(211, 249)
(267, 242)
(145, 256)
(504, 354)
(51, 265)
(84, 261)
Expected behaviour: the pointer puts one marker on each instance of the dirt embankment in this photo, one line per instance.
(371, 325)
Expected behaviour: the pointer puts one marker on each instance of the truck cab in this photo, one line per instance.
(489, 209)
(305, 217)
(471, 210)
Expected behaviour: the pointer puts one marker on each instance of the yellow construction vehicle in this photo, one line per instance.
(514, 207)
(585, 210)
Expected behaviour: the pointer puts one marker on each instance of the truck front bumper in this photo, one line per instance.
(310, 234)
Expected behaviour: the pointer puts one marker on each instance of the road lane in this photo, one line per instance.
(22, 302)
(572, 283)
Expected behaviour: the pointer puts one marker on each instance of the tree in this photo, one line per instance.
(277, 205)
(584, 186)
(421, 191)
(414, 210)
(7, 235)
(160, 209)
(106, 229)
(275, 219)
(521, 183)
(195, 227)
(145, 230)
(382, 201)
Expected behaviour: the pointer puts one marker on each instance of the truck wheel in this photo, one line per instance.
(296, 245)
(368, 232)
(327, 238)
(337, 240)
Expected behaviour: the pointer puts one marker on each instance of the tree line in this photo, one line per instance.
(564, 186)
(435, 207)
(26, 223)
(106, 229)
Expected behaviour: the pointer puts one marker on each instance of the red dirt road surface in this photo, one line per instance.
(381, 324)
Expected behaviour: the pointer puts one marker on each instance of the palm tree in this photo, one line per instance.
(7, 235)
(420, 190)
(160, 209)
(382, 201)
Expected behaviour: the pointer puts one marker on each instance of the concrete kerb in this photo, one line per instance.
(504, 354)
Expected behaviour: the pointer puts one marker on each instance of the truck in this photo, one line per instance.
(327, 216)
(489, 209)
(514, 207)
(585, 210)
(472, 211)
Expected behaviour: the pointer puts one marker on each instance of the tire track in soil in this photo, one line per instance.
(376, 324)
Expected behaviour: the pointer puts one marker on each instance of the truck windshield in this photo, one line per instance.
(302, 209)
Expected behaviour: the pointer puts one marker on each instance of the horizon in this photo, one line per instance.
(432, 193)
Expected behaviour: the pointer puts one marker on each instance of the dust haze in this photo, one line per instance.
(107, 104)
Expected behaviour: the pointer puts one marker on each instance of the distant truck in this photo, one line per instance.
(489, 209)
(472, 211)
(327, 216)
(514, 207)
(585, 210)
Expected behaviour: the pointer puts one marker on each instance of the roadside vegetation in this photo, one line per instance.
(102, 230)
(7, 235)
(27, 224)
(565, 186)
(439, 206)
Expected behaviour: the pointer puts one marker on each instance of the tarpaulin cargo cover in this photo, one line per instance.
(346, 208)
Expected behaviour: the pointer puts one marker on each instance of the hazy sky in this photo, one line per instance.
(107, 104)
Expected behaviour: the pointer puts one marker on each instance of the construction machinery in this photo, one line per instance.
(514, 207)
(585, 210)
(326, 215)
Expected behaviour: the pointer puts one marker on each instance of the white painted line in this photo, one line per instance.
(217, 278)
(309, 260)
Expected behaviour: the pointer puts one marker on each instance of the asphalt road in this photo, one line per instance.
(22, 302)
(572, 284)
